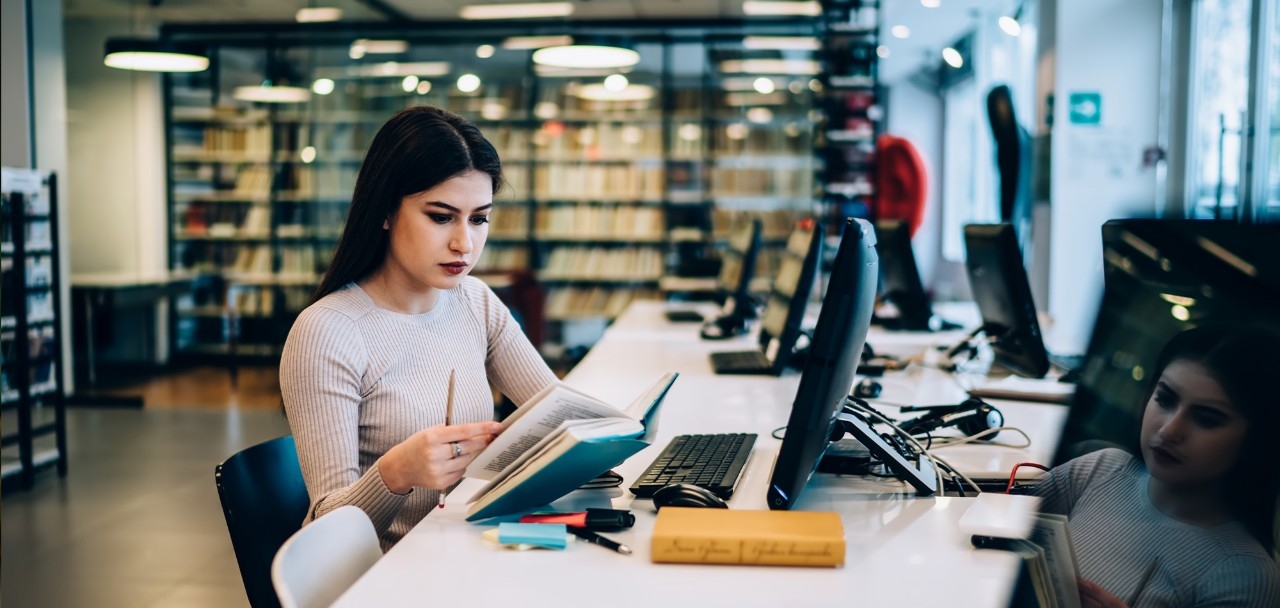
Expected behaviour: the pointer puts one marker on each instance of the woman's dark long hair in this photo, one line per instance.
(1244, 360)
(416, 150)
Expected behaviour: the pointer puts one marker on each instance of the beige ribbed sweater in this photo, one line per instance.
(358, 379)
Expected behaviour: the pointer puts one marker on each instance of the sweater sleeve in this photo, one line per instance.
(1245, 581)
(322, 382)
(511, 362)
(1063, 486)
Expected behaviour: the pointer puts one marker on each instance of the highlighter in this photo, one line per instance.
(591, 519)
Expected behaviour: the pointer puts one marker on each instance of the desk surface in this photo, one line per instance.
(899, 545)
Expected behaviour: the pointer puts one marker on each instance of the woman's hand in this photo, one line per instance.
(1091, 596)
(427, 459)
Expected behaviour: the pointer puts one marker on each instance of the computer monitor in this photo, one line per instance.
(1000, 288)
(901, 279)
(738, 267)
(829, 370)
(1162, 277)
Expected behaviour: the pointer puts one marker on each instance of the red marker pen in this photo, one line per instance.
(591, 519)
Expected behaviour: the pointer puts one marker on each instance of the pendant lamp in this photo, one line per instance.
(587, 54)
(152, 55)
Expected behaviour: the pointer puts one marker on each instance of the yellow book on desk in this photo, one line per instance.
(767, 538)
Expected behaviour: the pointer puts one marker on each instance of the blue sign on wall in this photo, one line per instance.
(1085, 108)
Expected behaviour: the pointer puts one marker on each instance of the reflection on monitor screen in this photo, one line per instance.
(829, 370)
(1162, 277)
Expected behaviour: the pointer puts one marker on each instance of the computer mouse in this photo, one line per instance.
(687, 495)
(867, 389)
(721, 328)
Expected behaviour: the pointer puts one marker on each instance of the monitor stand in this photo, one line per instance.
(920, 473)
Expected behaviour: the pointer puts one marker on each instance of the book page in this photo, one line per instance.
(640, 406)
(553, 445)
(530, 423)
(1050, 532)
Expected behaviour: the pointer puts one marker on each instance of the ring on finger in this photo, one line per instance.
(457, 449)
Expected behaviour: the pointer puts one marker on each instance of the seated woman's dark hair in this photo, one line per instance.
(1244, 360)
(416, 150)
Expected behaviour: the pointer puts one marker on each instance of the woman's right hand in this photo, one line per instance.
(427, 458)
(1092, 595)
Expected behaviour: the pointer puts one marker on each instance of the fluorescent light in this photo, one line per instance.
(535, 42)
(409, 83)
(424, 87)
(147, 55)
(615, 82)
(524, 10)
(318, 14)
(931, 3)
(272, 94)
(952, 57)
(781, 43)
(586, 56)
(308, 154)
(769, 66)
(766, 8)
(760, 115)
(322, 86)
(632, 92)
(468, 83)
(484, 51)
(764, 85)
(900, 31)
(396, 69)
(882, 51)
(378, 47)
(1010, 26)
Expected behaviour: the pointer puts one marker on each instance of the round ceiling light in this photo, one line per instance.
(149, 55)
(586, 56)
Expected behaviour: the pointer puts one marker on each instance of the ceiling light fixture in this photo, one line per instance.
(365, 46)
(781, 43)
(775, 9)
(524, 10)
(518, 43)
(269, 93)
(769, 66)
(318, 14)
(931, 3)
(1010, 26)
(632, 92)
(900, 31)
(952, 57)
(150, 55)
(484, 51)
(586, 56)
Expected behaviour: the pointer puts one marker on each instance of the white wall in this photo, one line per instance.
(1111, 47)
(916, 114)
(116, 123)
(15, 116)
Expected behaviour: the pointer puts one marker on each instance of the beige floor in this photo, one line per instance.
(253, 388)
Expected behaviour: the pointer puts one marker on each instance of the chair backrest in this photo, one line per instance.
(264, 501)
(324, 558)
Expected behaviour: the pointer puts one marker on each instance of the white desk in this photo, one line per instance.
(900, 547)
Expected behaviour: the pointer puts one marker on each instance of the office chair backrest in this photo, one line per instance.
(324, 558)
(264, 501)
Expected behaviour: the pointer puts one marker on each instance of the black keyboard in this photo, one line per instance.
(711, 461)
(741, 362)
(685, 316)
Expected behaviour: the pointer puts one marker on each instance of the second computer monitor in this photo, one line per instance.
(902, 284)
(784, 309)
(829, 370)
(739, 266)
(999, 284)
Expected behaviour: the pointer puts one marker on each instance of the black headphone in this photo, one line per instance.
(971, 416)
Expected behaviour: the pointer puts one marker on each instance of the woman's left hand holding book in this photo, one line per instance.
(435, 458)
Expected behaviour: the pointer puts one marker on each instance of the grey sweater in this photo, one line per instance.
(1118, 533)
(358, 379)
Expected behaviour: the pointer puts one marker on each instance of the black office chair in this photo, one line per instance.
(264, 500)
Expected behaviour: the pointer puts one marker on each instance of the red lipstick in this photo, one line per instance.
(455, 268)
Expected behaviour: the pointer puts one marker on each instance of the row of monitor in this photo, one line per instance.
(1204, 271)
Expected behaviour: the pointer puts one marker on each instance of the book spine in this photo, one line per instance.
(763, 552)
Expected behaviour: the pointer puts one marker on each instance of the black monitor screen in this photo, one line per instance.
(739, 260)
(829, 370)
(784, 310)
(1163, 277)
(1003, 295)
(902, 284)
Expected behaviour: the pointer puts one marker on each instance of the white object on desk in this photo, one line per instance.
(1047, 390)
(1000, 515)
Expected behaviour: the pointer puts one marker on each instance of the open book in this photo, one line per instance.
(1050, 560)
(558, 441)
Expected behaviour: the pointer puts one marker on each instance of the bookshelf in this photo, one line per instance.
(608, 193)
(851, 104)
(31, 390)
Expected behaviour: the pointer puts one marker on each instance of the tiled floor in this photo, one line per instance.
(136, 522)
